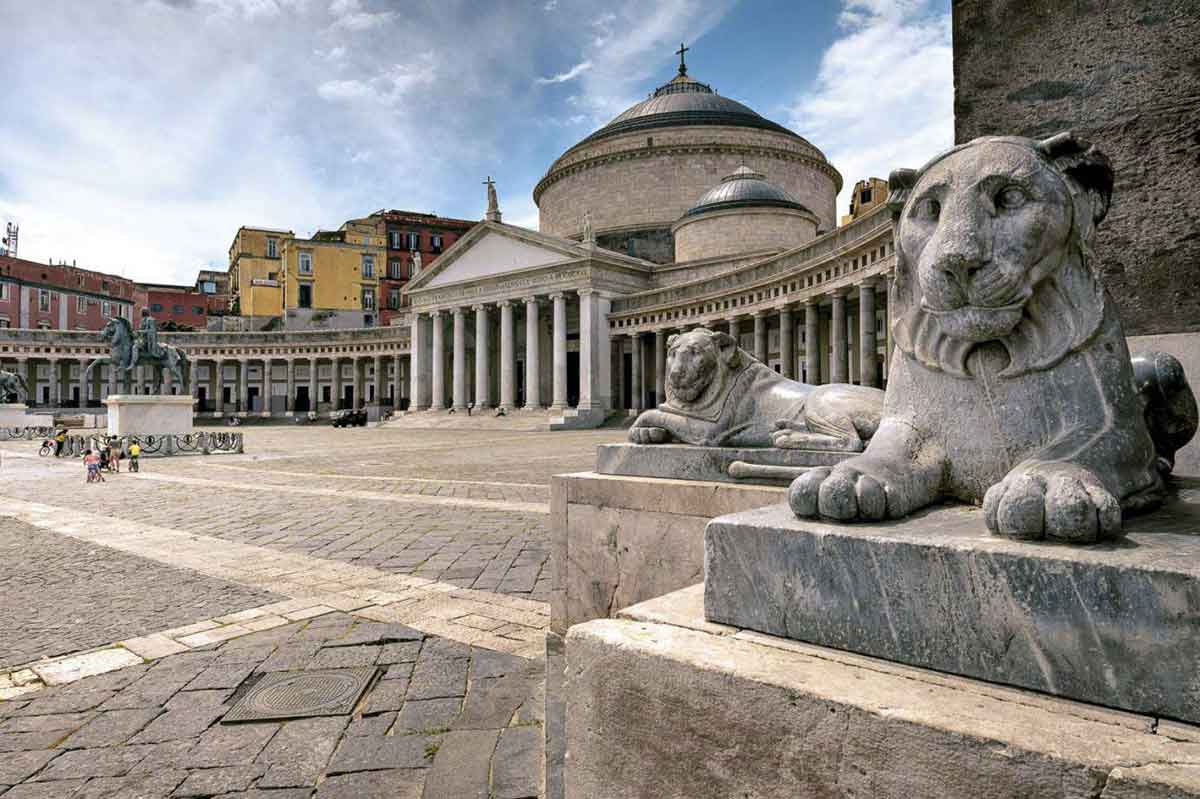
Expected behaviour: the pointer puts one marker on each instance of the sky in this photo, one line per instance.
(136, 136)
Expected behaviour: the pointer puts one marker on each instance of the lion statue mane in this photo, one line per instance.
(720, 395)
(1011, 384)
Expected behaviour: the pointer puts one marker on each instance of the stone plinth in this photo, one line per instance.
(667, 706)
(16, 414)
(1117, 625)
(616, 541)
(149, 414)
(685, 462)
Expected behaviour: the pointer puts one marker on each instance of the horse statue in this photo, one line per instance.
(126, 354)
(12, 387)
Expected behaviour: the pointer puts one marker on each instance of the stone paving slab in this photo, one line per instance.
(155, 730)
(66, 595)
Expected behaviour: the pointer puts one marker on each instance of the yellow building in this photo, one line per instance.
(255, 265)
(332, 279)
(867, 194)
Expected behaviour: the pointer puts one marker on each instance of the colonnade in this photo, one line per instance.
(495, 368)
(801, 359)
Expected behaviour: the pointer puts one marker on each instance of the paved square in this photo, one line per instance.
(152, 603)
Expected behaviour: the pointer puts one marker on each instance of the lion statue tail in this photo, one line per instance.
(1168, 402)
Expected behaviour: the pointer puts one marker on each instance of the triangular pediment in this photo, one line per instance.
(490, 253)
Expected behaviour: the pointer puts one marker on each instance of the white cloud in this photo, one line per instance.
(385, 89)
(571, 74)
(884, 94)
(349, 15)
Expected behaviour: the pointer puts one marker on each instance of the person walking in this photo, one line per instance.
(135, 451)
(60, 438)
(115, 453)
(91, 459)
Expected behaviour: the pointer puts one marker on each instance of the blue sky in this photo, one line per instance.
(139, 134)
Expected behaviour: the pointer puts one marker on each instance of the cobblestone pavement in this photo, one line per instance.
(443, 720)
(63, 595)
(421, 553)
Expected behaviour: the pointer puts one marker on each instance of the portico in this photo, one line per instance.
(527, 317)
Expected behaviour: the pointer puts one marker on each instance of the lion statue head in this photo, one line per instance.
(696, 361)
(993, 244)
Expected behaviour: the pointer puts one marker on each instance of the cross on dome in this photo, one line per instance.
(680, 52)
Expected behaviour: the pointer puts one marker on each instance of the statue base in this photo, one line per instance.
(1115, 625)
(664, 704)
(16, 414)
(764, 465)
(144, 414)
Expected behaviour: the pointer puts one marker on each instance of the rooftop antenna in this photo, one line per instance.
(8, 245)
(682, 64)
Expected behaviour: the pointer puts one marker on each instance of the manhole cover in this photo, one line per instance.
(291, 695)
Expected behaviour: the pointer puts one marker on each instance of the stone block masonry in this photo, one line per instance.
(1124, 75)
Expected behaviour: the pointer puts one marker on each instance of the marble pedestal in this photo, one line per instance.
(1115, 625)
(16, 414)
(149, 414)
(667, 706)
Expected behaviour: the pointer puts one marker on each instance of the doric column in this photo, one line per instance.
(839, 371)
(314, 388)
(560, 350)
(335, 379)
(397, 381)
(787, 337)
(868, 365)
(507, 357)
(533, 369)
(483, 365)
(660, 366)
(594, 354)
(812, 341)
(735, 330)
(83, 386)
(289, 403)
(438, 362)
(219, 385)
(378, 381)
(638, 390)
(417, 373)
(244, 385)
(460, 359)
(760, 336)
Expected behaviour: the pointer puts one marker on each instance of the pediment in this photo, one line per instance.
(492, 254)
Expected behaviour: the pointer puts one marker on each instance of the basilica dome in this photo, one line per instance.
(643, 171)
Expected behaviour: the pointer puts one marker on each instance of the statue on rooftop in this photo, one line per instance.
(1011, 384)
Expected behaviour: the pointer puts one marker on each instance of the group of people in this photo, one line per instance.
(108, 457)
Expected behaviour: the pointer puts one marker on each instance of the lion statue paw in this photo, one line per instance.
(845, 493)
(649, 435)
(1052, 500)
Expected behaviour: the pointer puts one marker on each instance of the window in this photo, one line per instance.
(43, 300)
(394, 299)
(305, 295)
(368, 300)
(272, 276)
(306, 262)
(272, 248)
(368, 266)
(104, 285)
(865, 196)
(394, 268)
(414, 241)
(4, 322)
(435, 242)
(156, 307)
(176, 309)
(208, 287)
(81, 304)
(196, 309)
(397, 240)
(106, 309)
(3, 291)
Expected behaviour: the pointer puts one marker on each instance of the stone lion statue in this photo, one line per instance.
(720, 395)
(1011, 384)
(12, 387)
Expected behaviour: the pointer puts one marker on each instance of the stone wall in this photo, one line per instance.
(625, 182)
(650, 244)
(729, 232)
(1124, 74)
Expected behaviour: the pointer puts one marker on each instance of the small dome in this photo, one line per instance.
(744, 188)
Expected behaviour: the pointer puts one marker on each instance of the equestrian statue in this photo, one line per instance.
(12, 387)
(129, 350)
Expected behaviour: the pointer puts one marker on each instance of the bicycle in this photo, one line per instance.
(47, 448)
